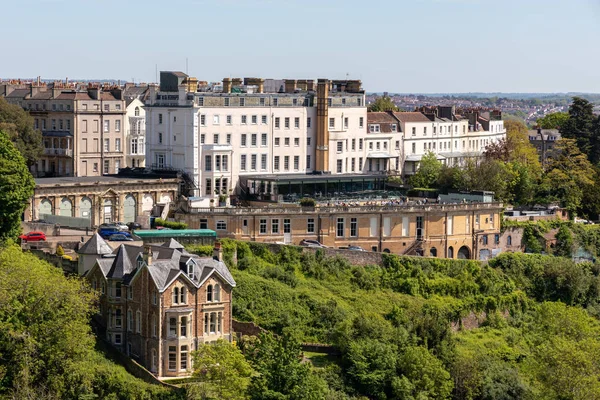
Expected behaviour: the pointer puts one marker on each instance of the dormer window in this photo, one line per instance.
(394, 127)
(191, 271)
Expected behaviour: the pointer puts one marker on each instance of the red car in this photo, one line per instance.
(34, 237)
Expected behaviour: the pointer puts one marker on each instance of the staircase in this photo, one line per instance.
(414, 248)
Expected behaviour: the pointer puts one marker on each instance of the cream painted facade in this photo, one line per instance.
(135, 125)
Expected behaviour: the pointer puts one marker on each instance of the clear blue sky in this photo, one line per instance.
(393, 45)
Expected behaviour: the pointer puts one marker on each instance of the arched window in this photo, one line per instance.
(94, 284)
(103, 288)
(433, 252)
(183, 296)
(450, 252)
(217, 294)
(175, 295)
(209, 293)
(509, 240)
(137, 111)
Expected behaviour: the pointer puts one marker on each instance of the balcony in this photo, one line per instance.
(51, 151)
(136, 132)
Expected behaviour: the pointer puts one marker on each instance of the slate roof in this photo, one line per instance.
(122, 266)
(411, 117)
(18, 93)
(96, 245)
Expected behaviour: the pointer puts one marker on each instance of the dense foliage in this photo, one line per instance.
(46, 346)
(16, 188)
(383, 103)
(18, 126)
(416, 328)
(169, 224)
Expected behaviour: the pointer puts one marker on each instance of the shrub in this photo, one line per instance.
(307, 202)
(170, 224)
(60, 251)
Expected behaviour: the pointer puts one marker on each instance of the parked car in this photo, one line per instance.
(34, 237)
(162, 228)
(312, 243)
(122, 226)
(134, 225)
(107, 231)
(120, 237)
(355, 248)
(107, 225)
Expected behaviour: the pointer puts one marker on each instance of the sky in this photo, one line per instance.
(401, 46)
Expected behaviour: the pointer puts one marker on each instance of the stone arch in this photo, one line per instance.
(464, 253)
(85, 208)
(45, 208)
(165, 198)
(387, 251)
(147, 203)
(509, 240)
(129, 209)
(433, 252)
(450, 252)
(137, 111)
(66, 207)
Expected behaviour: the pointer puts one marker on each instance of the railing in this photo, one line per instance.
(136, 132)
(345, 209)
(58, 152)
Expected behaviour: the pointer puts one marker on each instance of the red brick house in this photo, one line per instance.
(158, 302)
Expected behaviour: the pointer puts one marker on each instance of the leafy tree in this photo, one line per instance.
(451, 178)
(553, 121)
(223, 365)
(564, 242)
(371, 365)
(281, 374)
(16, 188)
(569, 174)
(579, 126)
(18, 125)
(383, 103)
(428, 173)
(423, 376)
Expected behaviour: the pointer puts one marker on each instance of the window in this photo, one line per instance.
(370, 145)
(253, 140)
(485, 239)
(117, 144)
(274, 226)
(263, 139)
(228, 120)
(414, 131)
(353, 164)
(275, 102)
(261, 102)
(118, 318)
(397, 145)
(176, 295)
(118, 338)
(209, 293)
(242, 102)
(263, 162)
(118, 125)
(106, 166)
(183, 327)
(294, 102)
(183, 295)
(360, 163)
(106, 126)
(226, 101)
(262, 226)
(228, 138)
(310, 225)
(243, 162)
(263, 119)
(297, 122)
(243, 140)
(424, 131)
(138, 322)
(339, 166)
(215, 120)
(414, 148)
(160, 137)
(296, 163)
(331, 123)
(153, 325)
(509, 240)
(253, 162)
(172, 357)
(202, 120)
(276, 163)
(286, 141)
(340, 146)
(184, 358)
(340, 227)
(154, 297)
(353, 227)
(217, 163)
(208, 191)
(277, 122)
(106, 107)
(360, 144)
(129, 320)
(216, 138)
(202, 138)
(221, 225)
(361, 122)
(308, 122)
(287, 226)
(345, 122)
(60, 124)
(277, 141)
(208, 163)
(287, 122)
(496, 238)
(286, 163)
(213, 322)
(296, 142)
(308, 161)
(308, 141)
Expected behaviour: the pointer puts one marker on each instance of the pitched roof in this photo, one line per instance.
(121, 266)
(96, 245)
(172, 244)
(411, 117)
(380, 117)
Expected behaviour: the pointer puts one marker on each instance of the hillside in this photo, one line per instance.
(398, 326)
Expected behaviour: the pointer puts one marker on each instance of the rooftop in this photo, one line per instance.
(72, 180)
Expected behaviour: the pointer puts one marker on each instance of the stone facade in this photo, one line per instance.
(438, 230)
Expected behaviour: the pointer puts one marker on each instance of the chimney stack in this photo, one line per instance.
(217, 252)
(148, 254)
(290, 85)
(226, 85)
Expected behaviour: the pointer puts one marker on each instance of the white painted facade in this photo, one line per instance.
(135, 131)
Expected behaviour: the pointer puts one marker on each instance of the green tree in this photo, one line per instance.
(428, 173)
(564, 242)
(569, 174)
(383, 103)
(18, 125)
(579, 126)
(423, 376)
(223, 365)
(281, 374)
(16, 188)
(553, 121)
(371, 365)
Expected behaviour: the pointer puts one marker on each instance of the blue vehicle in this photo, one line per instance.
(107, 232)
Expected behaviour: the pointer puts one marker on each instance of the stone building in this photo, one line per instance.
(159, 302)
(544, 141)
(470, 231)
(103, 199)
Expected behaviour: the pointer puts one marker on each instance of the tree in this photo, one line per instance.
(553, 121)
(16, 188)
(579, 126)
(371, 364)
(428, 172)
(423, 376)
(516, 148)
(18, 125)
(564, 242)
(569, 174)
(383, 103)
(223, 366)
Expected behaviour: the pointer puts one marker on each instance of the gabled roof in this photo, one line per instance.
(122, 266)
(172, 244)
(96, 245)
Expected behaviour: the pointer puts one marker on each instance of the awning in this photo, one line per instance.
(57, 134)
(453, 154)
(379, 155)
(418, 157)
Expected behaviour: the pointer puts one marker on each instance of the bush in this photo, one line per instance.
(170, 224)
(60, 251)
(307, 202)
